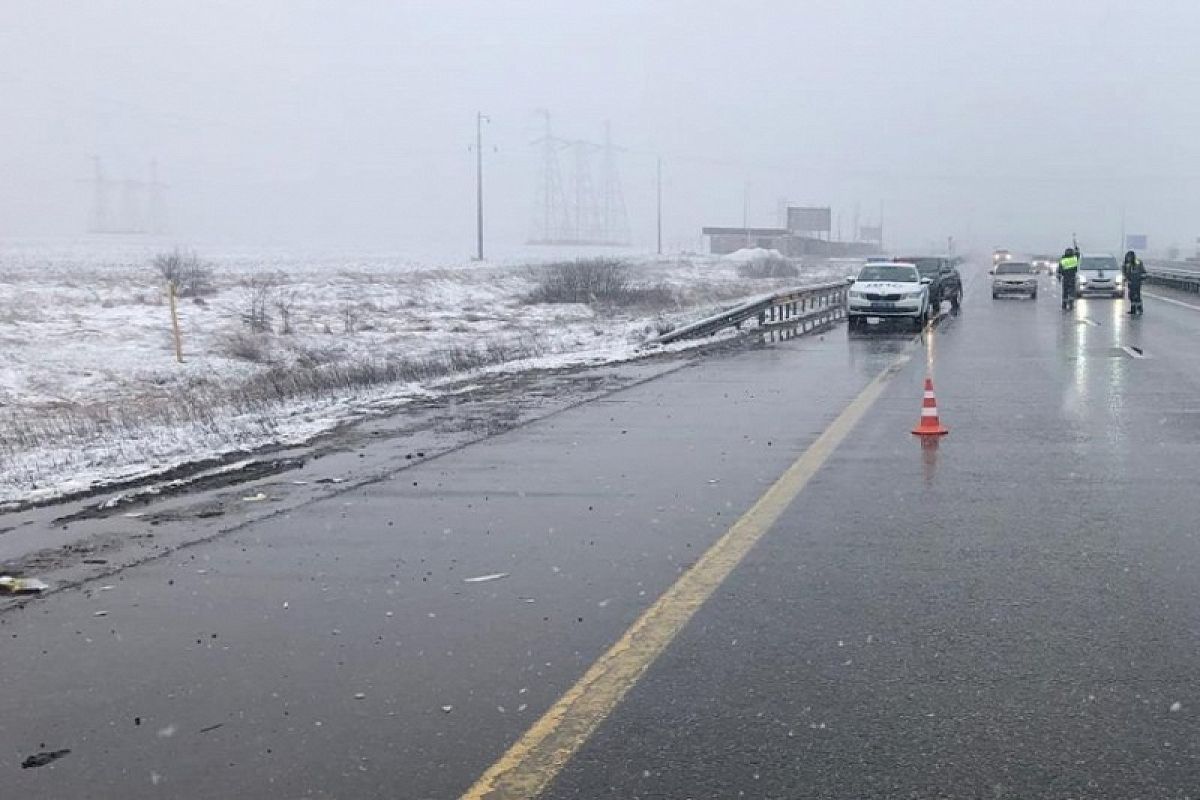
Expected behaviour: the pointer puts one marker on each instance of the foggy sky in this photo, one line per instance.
(348, 123)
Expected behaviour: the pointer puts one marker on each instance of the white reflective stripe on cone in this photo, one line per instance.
(928, 412)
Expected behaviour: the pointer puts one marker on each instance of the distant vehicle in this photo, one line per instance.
(1045, 265)
(1000, 255)
(884, 290)
(944, 281)
(1099, 274)
(1014, 277)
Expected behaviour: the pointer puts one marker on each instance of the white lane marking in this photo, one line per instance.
(1171, 300)
(1135, 352)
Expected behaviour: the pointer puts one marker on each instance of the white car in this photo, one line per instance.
(889, 290)
(1014, 277)
(1099, 273)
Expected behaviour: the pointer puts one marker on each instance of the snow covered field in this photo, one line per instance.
(90, 390)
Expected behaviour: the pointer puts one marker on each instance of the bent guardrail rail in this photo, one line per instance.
(803, 306)
(1175, 277)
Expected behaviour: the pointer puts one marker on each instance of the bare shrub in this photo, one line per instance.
(285, 304)
(595, 282)
(771, 266)
(191, 276)
(260, 294)
(309, 355)
(246, 345)
(350, 318)
(582, 281)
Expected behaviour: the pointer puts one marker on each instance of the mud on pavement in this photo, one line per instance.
(69, 543)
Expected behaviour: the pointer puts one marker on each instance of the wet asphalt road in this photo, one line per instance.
(1011, 615)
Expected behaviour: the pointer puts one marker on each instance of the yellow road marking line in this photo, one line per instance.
(534, 760)
(1170, 300)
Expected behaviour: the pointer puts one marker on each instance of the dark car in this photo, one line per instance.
(944, 281)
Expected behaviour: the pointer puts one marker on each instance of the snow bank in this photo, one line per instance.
(750, 254)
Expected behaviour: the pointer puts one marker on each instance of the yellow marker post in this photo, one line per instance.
(175, 323)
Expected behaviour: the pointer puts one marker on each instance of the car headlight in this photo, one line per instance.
(856, 295)
(913, 295)
(1082, 279)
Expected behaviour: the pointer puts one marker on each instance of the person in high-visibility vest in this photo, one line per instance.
(1135, 273)
(1068, 269)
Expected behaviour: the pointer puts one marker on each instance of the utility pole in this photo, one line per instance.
(658, 188)
(480, 118)
(880, 224)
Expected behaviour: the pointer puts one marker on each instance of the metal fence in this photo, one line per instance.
(1175, 277)
(802, 308)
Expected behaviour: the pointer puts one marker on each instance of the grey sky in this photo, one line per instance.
(347, 123)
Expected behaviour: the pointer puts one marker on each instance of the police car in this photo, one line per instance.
(889, 290)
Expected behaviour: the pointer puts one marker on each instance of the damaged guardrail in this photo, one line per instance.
(805, 307)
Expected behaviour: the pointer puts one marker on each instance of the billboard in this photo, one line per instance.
(1136, 241)
(809, 220)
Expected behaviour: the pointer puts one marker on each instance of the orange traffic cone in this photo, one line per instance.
(929, 424)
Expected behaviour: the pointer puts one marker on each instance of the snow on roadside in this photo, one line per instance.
(88, 355)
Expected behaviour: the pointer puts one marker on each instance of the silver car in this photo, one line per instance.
(1014, 277)
(1099, 274)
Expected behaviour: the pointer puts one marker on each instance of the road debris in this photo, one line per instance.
(447, 709)
(495, 576)
(212, 727)
(112, 502)
(100, 614)
(255, 498)
(43, 758)
(11, 585)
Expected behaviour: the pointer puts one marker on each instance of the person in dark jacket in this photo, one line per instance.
(1068, 269)
(1135, 273)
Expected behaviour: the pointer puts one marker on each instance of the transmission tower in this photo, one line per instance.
(616, 220)
(133, 215)
(593, 214)
(587, 216)
(126, 205)
(552, 216)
